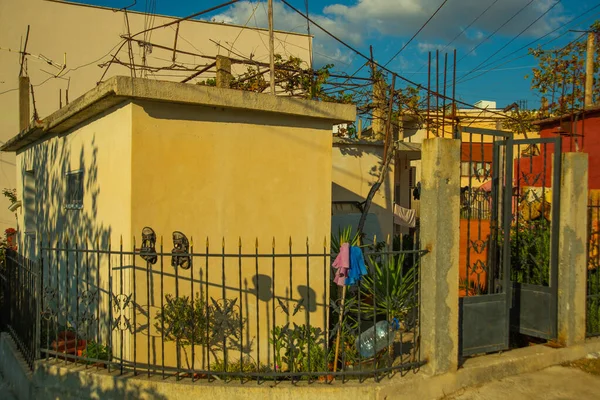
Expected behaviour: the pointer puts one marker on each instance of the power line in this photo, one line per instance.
(415, 35)
(178, 20)
(537, 40)
(68, 70)
(471, 24)
(526, 55)
(417, 85)
(462, 31)
(247, 22)
(496, 31)
(510, 41)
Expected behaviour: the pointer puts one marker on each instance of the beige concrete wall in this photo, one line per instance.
(88, 35)
(355, 170)
(238, 175)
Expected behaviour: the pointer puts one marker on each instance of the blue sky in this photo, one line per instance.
(484, 33)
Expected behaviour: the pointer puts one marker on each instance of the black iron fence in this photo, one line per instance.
(475, 204)
(253, 313)
(20, 302)
(593, 273)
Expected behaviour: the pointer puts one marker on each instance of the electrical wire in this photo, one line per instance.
(510, 41)
(496, 31)
(247, 22)
(470, 25)
(537, 40)
(417, 85)
(462, 31)
(68, 70)
(188, 42)
(417, 33)
(178, 20)
(520, 57)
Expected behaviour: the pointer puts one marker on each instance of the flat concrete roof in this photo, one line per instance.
(121, 88)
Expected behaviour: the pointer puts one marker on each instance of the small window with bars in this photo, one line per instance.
(74, 190)
(412, 177)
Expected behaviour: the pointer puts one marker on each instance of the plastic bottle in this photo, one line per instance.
(374, 339)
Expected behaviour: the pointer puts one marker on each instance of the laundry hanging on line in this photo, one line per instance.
(350, 265)
(405, 216)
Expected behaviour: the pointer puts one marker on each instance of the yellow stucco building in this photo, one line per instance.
(227, 168)
(87, 36)
(356, 166)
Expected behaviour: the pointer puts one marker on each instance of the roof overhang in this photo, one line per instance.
(119, 89)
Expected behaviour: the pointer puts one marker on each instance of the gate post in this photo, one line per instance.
(440, 224)
(572, 270)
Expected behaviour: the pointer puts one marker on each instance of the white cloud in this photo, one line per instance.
(358, 23)
(426, 47)
(405, 17)
(325, 49)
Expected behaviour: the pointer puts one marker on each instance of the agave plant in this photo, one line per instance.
(344, 236)
(388, 290)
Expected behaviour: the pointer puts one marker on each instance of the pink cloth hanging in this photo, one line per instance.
(341, 264)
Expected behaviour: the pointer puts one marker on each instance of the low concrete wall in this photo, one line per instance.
(60, 382)
(14, 369)
(65, 381)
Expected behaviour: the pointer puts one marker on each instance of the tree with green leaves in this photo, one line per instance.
(560, 74)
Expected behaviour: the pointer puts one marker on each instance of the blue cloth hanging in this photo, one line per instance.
(357, 266)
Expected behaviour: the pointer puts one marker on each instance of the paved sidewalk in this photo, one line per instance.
(5, 393)
(554, 383)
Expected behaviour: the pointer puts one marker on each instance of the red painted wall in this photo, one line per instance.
(530, 168)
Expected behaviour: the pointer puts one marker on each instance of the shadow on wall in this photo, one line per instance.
(75, 281)
(50, 162)
(81, 385)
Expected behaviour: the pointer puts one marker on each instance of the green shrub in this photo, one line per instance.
(96, 351)
(301, 348)
(530, 252)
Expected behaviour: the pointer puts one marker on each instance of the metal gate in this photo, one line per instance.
(534, 241)
(509, 233)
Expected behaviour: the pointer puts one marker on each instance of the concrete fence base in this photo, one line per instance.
(57, 380)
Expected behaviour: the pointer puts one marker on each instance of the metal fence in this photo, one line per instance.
(476, 204)
(593, 273)
(20, 302)
(249, 314)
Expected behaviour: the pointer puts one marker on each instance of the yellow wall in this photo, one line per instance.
(214, 173)
(101, 147)
(88, 35)
(355, 169)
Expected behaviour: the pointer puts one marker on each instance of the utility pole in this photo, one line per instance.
(271, 47)
(24, 84)
(589, 71)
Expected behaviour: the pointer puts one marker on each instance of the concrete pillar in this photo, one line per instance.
(572, 269)
(224, 76)
(24, 114)
(440, 224)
